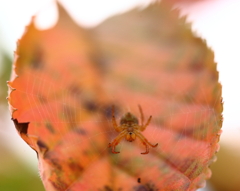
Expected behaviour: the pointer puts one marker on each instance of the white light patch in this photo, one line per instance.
(92, 12)
(218, 23)
(47, 17)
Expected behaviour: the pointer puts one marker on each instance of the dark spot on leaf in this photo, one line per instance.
(42, 147)
(90, 106)
(139, 180)
(75, 167)
(107, 111)
(59, 184)
(50, 127)
(37, 59)
(80, 131)
(151, 187)
(54, 162)
(21, 127)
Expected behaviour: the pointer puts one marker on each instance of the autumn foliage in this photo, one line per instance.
(66, 79)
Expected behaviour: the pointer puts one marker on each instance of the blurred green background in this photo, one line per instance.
(15, 173)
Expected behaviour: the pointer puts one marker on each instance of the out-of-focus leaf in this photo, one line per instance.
(66, 79)
(54, 95)
(153, 58)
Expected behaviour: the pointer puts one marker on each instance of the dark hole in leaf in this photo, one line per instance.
(21, 127)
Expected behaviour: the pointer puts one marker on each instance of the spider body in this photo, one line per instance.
(130, 129)
(129, 122)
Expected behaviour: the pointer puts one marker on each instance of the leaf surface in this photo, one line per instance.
(67, 78)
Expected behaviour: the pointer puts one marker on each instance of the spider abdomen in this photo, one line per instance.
(130, 136)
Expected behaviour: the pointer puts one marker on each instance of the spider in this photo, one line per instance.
(130, 129)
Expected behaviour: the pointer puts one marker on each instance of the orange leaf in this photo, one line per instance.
(66, 80)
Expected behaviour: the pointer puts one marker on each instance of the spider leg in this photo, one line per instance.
(141, 113)
(147, 149)
(114, 122)
(116, 141)
(145, 142)
(143, 127)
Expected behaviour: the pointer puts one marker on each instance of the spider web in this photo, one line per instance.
(68, 98)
